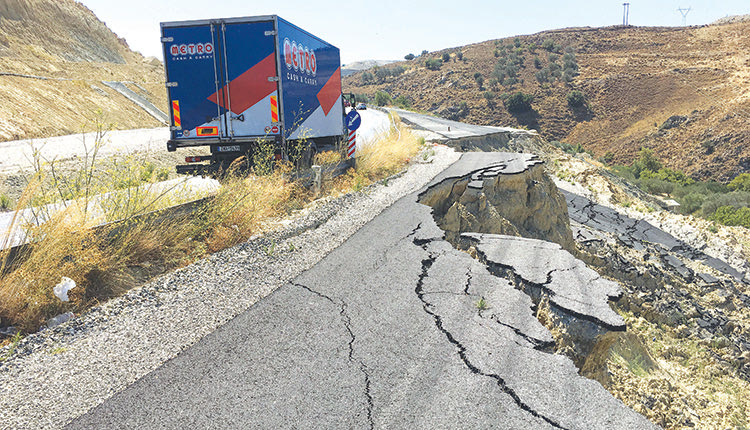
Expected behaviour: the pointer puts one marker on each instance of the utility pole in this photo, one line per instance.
(684, 13)
(625, 12)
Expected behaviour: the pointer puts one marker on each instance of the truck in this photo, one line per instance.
(243, 85)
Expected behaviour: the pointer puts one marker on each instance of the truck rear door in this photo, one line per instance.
(221, 79)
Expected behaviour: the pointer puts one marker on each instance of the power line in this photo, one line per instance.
(625, 13)
(684, 13)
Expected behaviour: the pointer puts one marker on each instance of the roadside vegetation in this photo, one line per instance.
(727, 204)
(130, 241)
(724, 203)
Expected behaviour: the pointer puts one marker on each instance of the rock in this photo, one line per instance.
(8, 331)
(707, 279)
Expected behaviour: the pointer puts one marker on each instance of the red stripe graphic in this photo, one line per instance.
(330, 92)
(250, 87)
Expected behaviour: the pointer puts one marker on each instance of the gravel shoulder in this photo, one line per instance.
(60, 373)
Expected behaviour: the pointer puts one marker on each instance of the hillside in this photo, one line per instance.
(633, 78)
(55, 55)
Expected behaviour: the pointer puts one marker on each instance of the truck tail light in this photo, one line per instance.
(195, 159)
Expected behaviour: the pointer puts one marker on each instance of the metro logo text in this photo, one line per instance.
(192, 49)
(300, 57)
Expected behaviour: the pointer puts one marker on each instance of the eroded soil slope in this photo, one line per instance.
(63, 42)
(634, 79)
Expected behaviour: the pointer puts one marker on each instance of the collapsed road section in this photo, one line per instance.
(396, 328)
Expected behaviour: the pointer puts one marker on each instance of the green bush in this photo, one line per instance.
(669, 175)
(542, 76)
(367, 78)
(656, 186)
(646, 161)
(361, 98)
(446, 57)
(729, 215)
(576, 99)
(537, 63)
(459, 55)
(382, 98)
(433, 63)
(735, 199)
(4, 202)
(489, 96)
(409, 57)
(550, 45)
(691, 203)
(740, 183)
(519, 102)
(402, 102)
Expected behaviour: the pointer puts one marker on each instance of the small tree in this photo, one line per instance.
(576, 99)
(366, 78)
(409, 57)
(446, 57)
(424, 52)
(433, 63)
(479, 78)
(490, 97)
(459, 56)
(382, 98)
(519, 102)
(517, 42)
(646, 161)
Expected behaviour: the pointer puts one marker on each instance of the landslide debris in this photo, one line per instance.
(686, 356)
(513, 197)
(503, 196)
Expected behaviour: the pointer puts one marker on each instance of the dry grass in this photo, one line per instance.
(105, 261)
(683, 384)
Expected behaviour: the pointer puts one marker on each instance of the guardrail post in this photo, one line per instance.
(317, 179)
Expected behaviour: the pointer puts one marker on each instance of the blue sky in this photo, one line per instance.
(389, 29)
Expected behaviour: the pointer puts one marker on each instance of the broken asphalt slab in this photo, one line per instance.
(385, 332)
(638, 233)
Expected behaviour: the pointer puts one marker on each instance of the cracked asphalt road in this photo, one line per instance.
(384, 332)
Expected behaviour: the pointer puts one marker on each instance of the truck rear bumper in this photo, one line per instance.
(173, 144)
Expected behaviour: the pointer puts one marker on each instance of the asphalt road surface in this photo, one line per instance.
(384, 332)
(443, 129)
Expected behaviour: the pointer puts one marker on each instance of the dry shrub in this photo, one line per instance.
(69, 249)
(244, 202)
(105, 261)
(389, 154)
(327, 157)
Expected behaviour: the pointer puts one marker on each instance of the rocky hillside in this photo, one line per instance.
(685, 92)
(55, 55)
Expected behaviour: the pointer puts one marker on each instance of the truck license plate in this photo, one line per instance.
(229, 148)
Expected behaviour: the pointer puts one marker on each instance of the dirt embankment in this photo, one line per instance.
(55, 55)
(634, 79)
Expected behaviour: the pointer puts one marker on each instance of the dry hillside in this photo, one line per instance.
(63, 42)
(634, 79)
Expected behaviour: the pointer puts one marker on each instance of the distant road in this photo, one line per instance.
(441, 128)
(18, 154)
